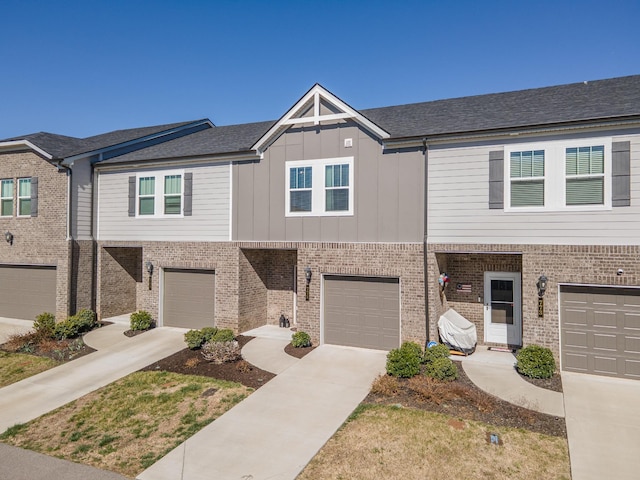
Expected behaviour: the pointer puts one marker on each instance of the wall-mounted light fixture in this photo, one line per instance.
(307, 276)
(149, 266)
(8, 236)
(542, 285)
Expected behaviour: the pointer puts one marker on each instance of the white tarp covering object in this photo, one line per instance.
(457, 332)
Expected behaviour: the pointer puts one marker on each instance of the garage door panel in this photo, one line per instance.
(602, 336)
(189, 298)
(361, 311)
(27, 291)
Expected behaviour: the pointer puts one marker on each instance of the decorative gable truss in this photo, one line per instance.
(318, 106)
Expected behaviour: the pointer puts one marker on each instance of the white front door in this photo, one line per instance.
(502, 308)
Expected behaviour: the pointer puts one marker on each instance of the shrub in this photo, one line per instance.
(81, 322)
(300, 340)
(536, 362)
(44, 324)
(403, 362)
(385, 385)
(437, 351)
(223, 335)
(196, 338)
(441, 369)
(413, 346)
(221, 352)
(141, 320)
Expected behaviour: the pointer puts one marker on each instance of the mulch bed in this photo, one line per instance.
(554, 383)
(470, 403)
(191, 362)
(297, 352)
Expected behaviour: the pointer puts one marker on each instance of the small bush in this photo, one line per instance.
(141, 320)
(44, 324)
(403, 362)
(413, 346)
(441, 369)
(196, 338)
(221, 352)
(437, 351)
(385, 385)
(536, 362)
(223, 335)
(86, 319)
(300, 340)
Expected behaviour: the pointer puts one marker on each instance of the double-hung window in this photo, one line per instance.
(160, 194)
(24, 197)
(322, 187)
(6, 197)
(527, 178)
(147, 196)
(300, 181)
(336, 184)
(585, 175)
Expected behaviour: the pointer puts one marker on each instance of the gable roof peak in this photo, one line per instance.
(317, 106)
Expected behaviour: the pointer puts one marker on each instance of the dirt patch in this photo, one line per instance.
(191, 362)
(463, 400)
(297, 352)
(58, 350)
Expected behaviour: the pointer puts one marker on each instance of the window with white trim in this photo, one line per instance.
(6, 198)
(527, 178)
(24, 197)
(160, 195)
(585, 175)
(557, 175)
(322, 187)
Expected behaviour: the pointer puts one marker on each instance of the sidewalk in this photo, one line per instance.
(494, 373)
(277, 430)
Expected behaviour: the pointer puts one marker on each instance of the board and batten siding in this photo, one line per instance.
(458, 203)
(210, 207)
(81, 193)
(388, 195)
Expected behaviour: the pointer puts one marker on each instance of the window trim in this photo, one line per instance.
(12, 198)
(159, 193)
(555, 177)
(19, 197)
(318, 188)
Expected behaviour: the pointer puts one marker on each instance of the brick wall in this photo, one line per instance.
(120, 272)
(280, 284)
(42, 239)
(252, 289)
(82, 276)
(561, 264)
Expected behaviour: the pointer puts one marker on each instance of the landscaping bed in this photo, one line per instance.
(191, 362)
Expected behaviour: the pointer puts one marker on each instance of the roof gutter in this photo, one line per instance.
(172, 161)
(17, 144)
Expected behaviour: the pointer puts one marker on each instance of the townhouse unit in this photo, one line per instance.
(346, 220)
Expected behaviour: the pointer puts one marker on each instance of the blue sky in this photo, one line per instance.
(85, 67)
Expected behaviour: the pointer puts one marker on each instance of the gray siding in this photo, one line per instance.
(388, 191)
(210, 219)
(81, 193)
(459, 204)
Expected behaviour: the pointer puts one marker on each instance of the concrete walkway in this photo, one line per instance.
(277, 430)
(39, 394)
(603, 426)
(266, 351)
(493, 372)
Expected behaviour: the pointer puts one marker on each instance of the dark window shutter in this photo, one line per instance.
(621, 174)
(132, 196)
(34, 196)
(496, 179)
(188, 190)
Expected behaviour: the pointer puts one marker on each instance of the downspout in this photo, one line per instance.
(424, 256)
(70, 270)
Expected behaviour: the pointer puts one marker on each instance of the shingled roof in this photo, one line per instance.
(595, 100)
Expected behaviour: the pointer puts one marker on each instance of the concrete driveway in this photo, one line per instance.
(11, 326)
(603, 426)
